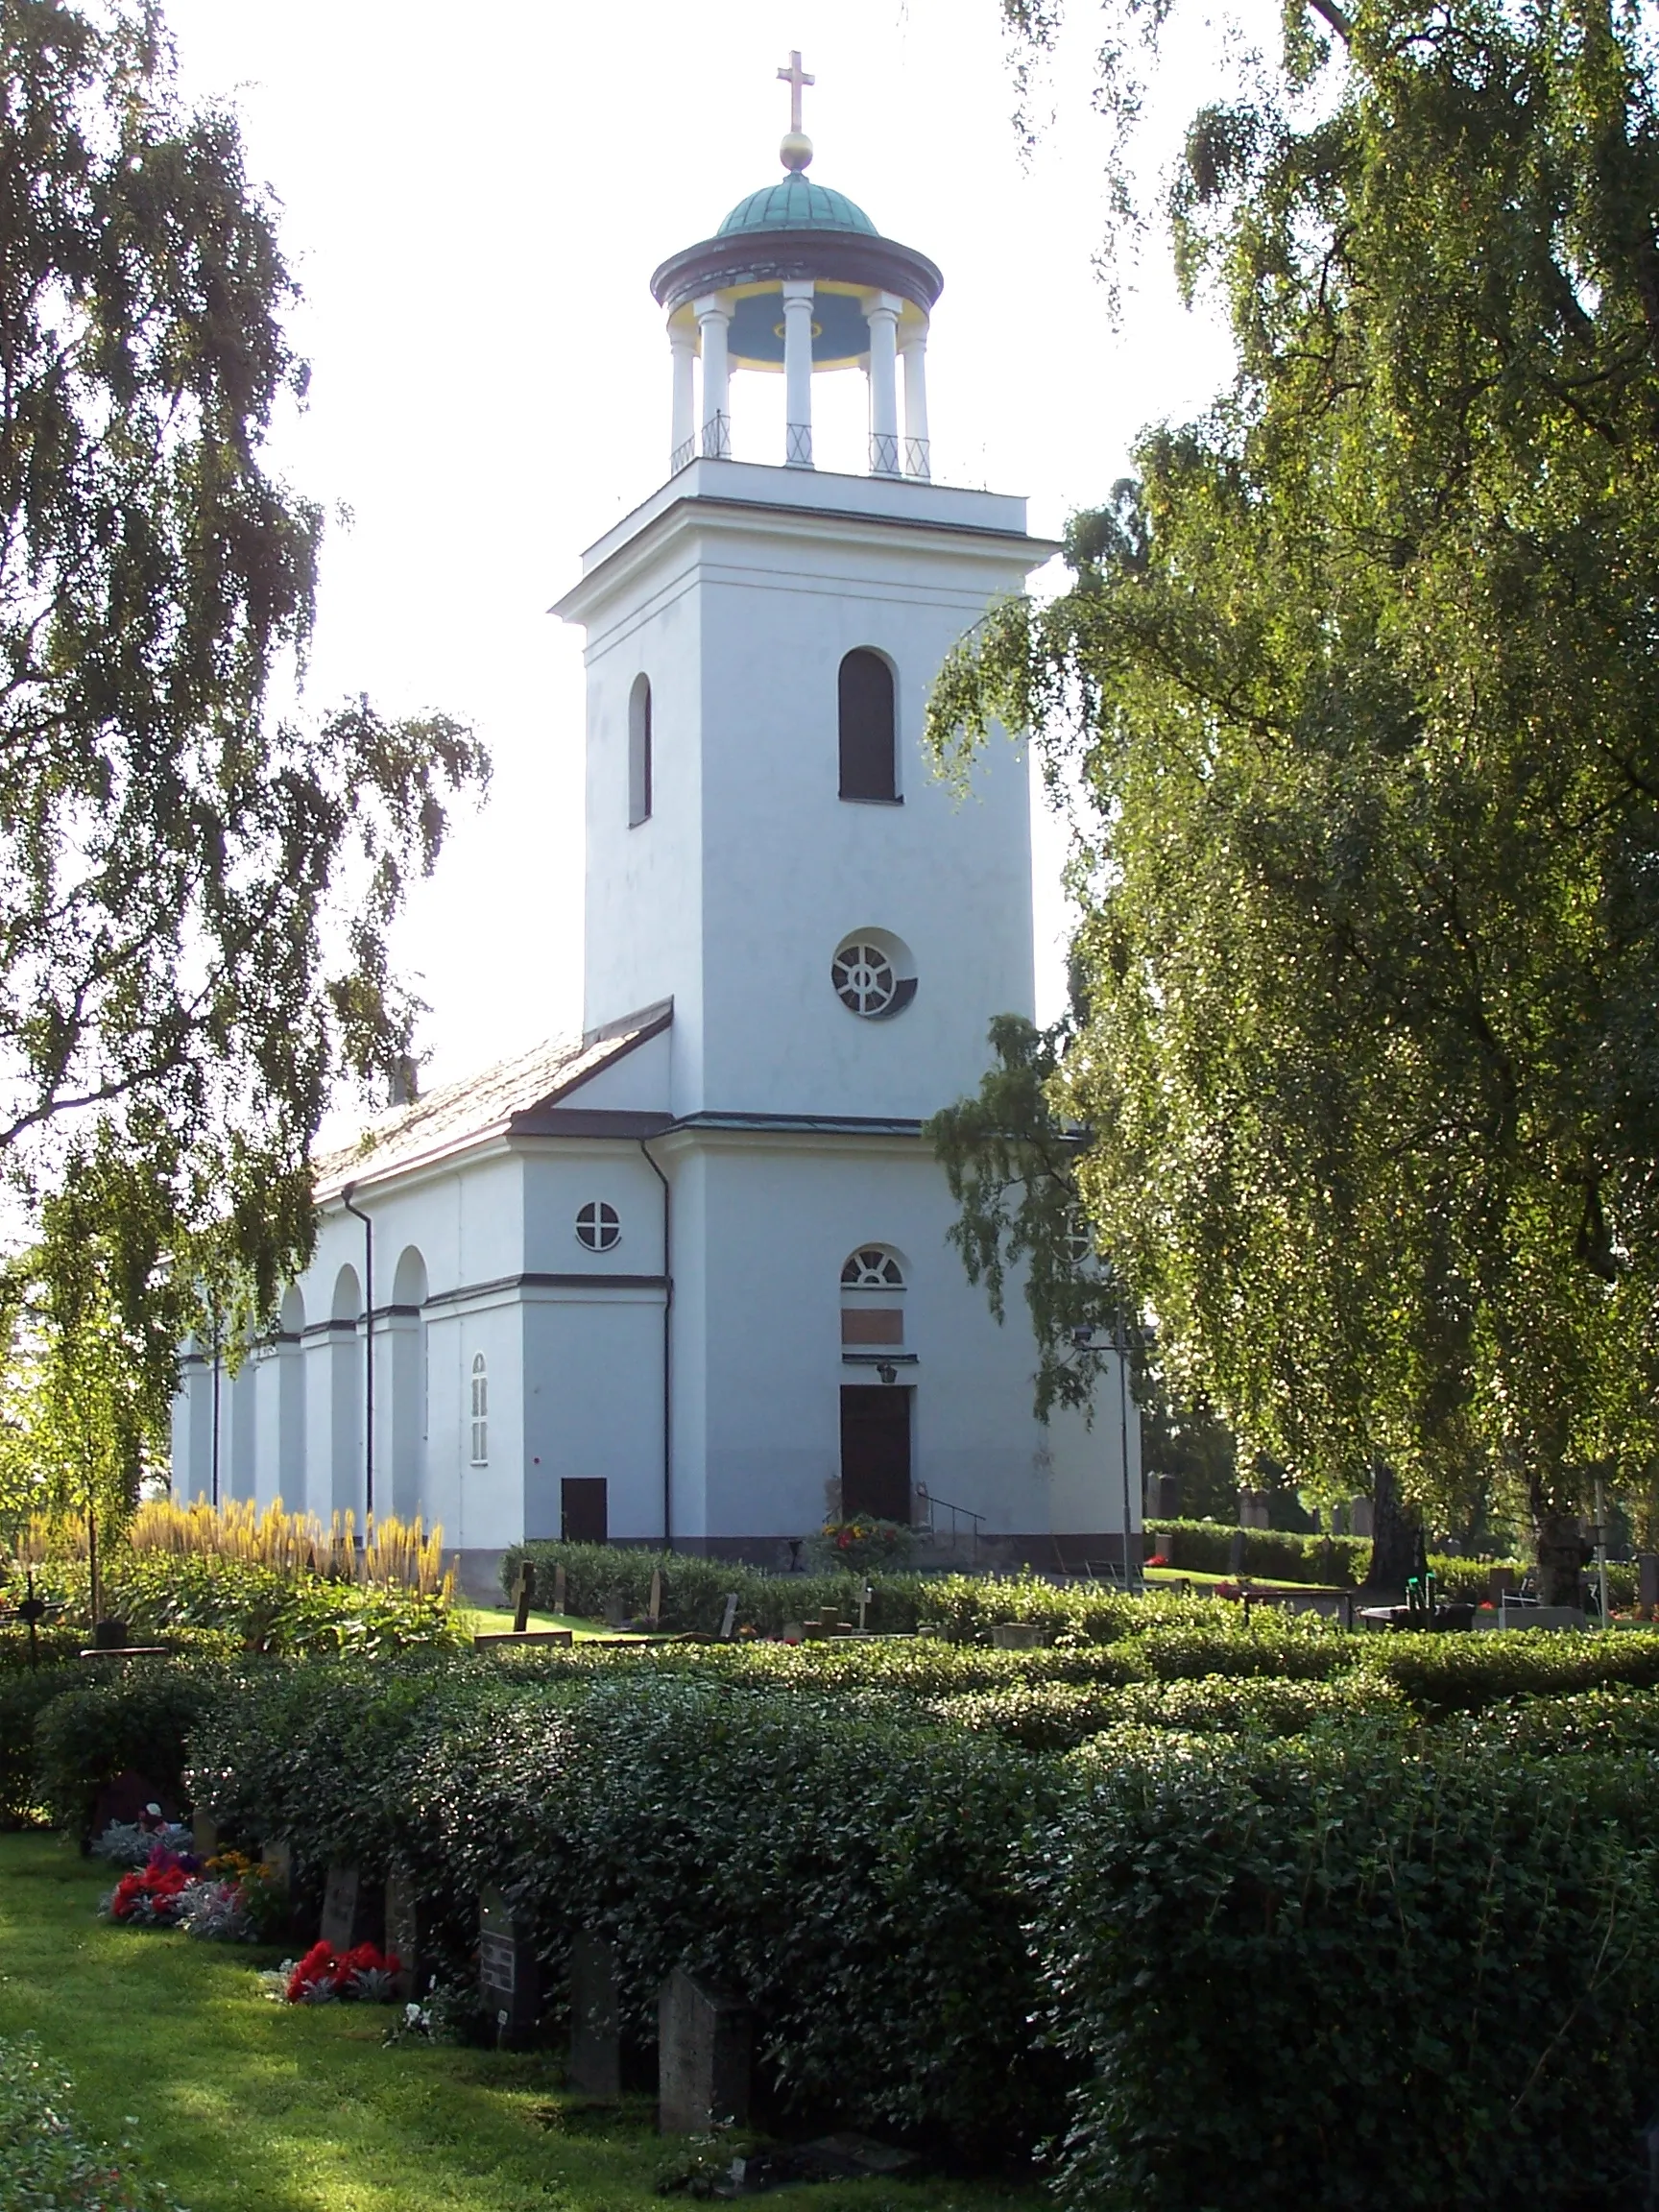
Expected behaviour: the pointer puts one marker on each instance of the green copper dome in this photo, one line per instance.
(793, 203)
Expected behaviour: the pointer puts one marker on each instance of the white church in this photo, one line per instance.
(684, 1280)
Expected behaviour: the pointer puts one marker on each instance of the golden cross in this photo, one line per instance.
(795, 77)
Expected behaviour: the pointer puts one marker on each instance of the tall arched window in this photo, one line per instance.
(480, 1411)
(869, 760)
(639, 752)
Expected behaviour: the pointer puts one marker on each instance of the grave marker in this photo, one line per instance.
(1015, 1635)
(525, 1596)
(508, 1974)
(408, 1937)
(204, 1837)
(728, 1619)
(559, 1590)
(704, 2052)
(350, 1916)
(654, 1611)
(596, 2017)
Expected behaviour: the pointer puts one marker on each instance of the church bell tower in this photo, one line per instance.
(766, 844)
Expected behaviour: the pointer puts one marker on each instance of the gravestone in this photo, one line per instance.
(728, 1619)
(129, 1795)
(1236, 1553)
(1166, 1497)
(205, 1840)
(704, 2051)
(525, 1597)
(1647, 1579)
(559, 1592)
(278, 1853)
(596, 2017)
(408, 1937)
(1499, 1580)
(1361, 1518)
(1015, 1635)
(654, 1611)
(349, 1911)
(508, 1974)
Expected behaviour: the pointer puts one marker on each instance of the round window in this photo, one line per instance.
(864, 979)
(598, 1226)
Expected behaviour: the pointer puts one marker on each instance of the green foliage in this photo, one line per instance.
(600, 1576)
(139, 1719)
(1354, 680)
(1206, 1548)
(46, 2162)
(204, 1601)
(198, 891)
(1436, 1979)
(25, 1692)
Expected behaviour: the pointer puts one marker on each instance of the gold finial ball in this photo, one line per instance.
(796, 150)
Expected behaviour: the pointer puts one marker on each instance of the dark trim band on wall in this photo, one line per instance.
(593, 1282)
(331, 1328)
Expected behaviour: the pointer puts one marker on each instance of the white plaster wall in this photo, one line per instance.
(267, 1368)
(593, 1406)
(560, 1176)
(761, 1240)
(733, 897)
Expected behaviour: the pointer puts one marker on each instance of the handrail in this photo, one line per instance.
(957, 1513)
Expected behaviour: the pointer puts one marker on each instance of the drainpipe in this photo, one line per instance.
(667, 1350)
(368, 1357)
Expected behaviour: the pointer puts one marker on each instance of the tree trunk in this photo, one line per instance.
(1560, 1559)
(1396, 1535)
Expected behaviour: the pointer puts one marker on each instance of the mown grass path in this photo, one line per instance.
(243, 2105)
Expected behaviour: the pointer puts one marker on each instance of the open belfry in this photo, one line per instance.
(685, 1278)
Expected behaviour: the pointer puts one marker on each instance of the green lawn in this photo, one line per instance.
(243, 2105)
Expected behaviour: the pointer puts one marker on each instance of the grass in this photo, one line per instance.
(495, 1619)
(243, 2105)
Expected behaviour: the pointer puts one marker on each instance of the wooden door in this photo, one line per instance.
(583, 1516)
(876, 1452)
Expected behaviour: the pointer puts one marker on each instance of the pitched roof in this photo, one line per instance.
(490, 1104)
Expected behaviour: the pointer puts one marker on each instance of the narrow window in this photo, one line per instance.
(869, 767)
(480, 1411)
(639, 752)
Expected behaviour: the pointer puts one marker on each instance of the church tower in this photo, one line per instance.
(765, 843)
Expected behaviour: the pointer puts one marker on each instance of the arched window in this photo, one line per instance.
(872, 1267)
(869, 758)
(480, 1411)
(639, 752)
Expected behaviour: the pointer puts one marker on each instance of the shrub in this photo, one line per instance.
(1207, 1548)
(1060, 1716)
(24, 1696)
(140, 1720)
(600, 1576)
(46, 2163)
(1266, 1957)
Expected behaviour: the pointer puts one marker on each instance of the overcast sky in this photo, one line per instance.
(473, 202)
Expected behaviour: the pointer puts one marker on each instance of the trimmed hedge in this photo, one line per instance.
(138, 1719)
(1206, 1548)
(1346, 1977)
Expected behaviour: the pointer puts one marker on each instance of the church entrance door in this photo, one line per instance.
(876, 1452)
(583, 1516)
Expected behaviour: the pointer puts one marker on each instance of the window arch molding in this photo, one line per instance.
(639, 751)
(867, 721)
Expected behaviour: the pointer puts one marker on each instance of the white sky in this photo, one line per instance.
(474, 202)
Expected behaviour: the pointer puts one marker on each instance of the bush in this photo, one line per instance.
(1060, 1716)
(1274, 1554)
(24, 1696)
(204, 1601)
(87, 1736)
(46, 2164)
(1343, 1978)
(599, 1578)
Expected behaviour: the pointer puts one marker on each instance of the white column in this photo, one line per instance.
(882, 313)
(683, 347)
(913, 346)
(713, 317)
(798, 375)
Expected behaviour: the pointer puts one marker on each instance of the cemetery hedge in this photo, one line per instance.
(1208, 1907)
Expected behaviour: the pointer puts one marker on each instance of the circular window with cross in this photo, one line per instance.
(598, 1226)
